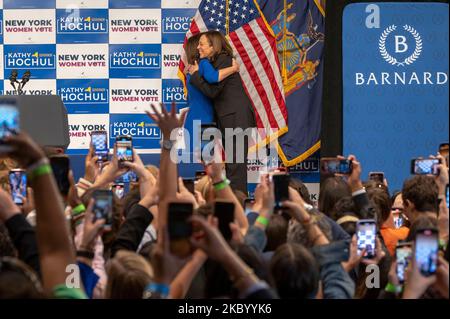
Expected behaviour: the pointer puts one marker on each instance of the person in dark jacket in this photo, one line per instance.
(232, 106)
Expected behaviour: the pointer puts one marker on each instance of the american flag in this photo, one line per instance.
(255, 49)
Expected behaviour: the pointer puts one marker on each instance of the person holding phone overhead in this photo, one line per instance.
(200, 106)
(232, 107)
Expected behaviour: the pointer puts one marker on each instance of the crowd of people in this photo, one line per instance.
(54, 246)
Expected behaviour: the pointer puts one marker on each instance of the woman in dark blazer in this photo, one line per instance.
(232, 106)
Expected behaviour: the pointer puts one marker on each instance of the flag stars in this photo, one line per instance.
(252, 11)
(215, 3)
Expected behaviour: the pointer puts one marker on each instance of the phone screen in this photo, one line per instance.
(398, 220)
(180, 228)
(366, 232)
(403, 255)
(9, 118)
(124, 151)
(18, 185)
(99, 140)
(224, 211)
(446, 195)
(248, 205)
(281, 188)
(190, 185)
(60, 166)
(377, 177)
(425, 166)
(103, 206)
(426, 251)
(119, 190)
(336, 166)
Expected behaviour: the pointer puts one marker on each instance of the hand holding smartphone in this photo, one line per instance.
(366, 234)
(403, 254)
(281, 188)
(99, 140)
(61, 166)
(426, 251)
(124, 149)
(103, 207)
(9, 121)
(180, 228)
(425, 166)
(334, 165)
(377, 177)
(224, 211)
(18, 185)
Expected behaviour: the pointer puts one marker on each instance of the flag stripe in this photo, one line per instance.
(264, 68)
(264, 106)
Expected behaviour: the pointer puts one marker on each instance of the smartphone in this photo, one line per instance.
(9, 121)
(124, 148)
(403, 253)
(189, 183)
(377, 177)
(118, 190)
(425, 166)
(199, 175)
(61, 166)
(18, 185)
(180, 228)
(248, 205)
(333, 166)
(366, 233)
(103, 206)
(99, 140)
(399, 220)
(426, 251)
(281, 188)
(224, 211)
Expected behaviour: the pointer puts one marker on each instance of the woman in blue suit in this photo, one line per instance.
(200, 106)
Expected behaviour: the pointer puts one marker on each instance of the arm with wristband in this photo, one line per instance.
(223, 191)
(55, 248)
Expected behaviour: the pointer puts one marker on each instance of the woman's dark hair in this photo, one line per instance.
(332, 190)
(381, 203)
(219, 43)
(344, 214)
(6, 246)
(421, 222)
(191, 49)
(18, 281)
(295, 272)
(276, 232)
(298, 185)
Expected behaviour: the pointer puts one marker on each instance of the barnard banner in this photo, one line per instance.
(395, 83)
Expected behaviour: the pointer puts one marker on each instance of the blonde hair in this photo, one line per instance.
(128, 275)
(205, 187)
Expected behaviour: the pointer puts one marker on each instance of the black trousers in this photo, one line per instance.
(236, 169)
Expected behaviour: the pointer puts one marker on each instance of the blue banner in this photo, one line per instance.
(81, 96)
(132, 4)
(175, 24)
(395, 82)
(29, 4)
(82, 26)
(39, 59)
(135, 61)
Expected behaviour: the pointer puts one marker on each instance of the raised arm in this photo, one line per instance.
(55, 249)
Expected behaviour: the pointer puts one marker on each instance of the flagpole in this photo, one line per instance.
(227, 17)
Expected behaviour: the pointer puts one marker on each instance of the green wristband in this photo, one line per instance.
(41, 170)
(222, 185)
(262, 220)
(392, 288)
(78, 210)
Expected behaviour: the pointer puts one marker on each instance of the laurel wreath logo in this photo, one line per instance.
(392, 60)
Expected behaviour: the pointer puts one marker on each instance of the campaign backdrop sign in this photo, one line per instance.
(1, 26)
(173, 92)
(40, 60)
(35, 87)
(395, 84)
(135, 61)
(29, 4)
(135, 26)
(145, 133)
(80, 4)
(175, 24)
(134, 95)
(129, 4)
(82, 61)
(82, 25)
(29, 26)
(81, 96)
(80, 128)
